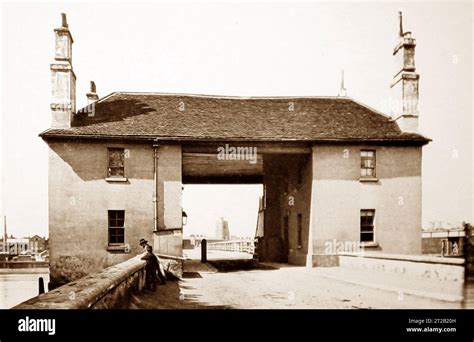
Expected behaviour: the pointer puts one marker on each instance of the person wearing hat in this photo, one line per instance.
(151, 269)
(160, 269)
(143, 243)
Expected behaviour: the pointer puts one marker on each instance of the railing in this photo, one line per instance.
(243, 246)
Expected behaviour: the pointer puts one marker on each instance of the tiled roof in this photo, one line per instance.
(201, 117)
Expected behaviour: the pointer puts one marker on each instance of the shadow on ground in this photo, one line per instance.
(239, 265)
(190, 275)
(169, 296)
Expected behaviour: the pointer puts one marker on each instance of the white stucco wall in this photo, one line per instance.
(339, 196)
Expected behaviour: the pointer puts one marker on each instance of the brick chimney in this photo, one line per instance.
(63, 79)
(404, 87)
(92, 94)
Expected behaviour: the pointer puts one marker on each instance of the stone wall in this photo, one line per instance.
(79, 200)
(425, 267)
(326, 190)
(111, 288)
(80, 195)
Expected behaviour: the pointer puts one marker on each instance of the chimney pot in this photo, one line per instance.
(342, 90)
(64, 20)
(92, 94)
(400, 20)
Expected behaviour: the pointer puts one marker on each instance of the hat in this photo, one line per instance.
(142, 241)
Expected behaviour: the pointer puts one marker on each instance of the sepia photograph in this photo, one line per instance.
(162, 157)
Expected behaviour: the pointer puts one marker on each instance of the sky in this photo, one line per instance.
(205, 205)
(247, 49)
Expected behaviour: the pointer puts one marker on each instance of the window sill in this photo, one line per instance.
(368, 179)
(119, 248)
(119, 180)
(369, 244)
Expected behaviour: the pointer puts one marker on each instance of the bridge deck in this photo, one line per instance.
(278, 287)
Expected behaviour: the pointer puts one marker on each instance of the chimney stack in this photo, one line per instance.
(404, 87)
(63, 79)
(92, 94)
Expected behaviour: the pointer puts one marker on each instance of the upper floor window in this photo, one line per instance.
(116, 227)
(116, 163)
(367, 163)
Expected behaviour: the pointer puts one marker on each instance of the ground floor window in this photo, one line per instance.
(116, 227)
(367, 225)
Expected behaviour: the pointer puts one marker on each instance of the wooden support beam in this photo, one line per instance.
(262, 148)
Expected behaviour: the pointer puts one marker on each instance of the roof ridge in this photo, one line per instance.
(282, 97)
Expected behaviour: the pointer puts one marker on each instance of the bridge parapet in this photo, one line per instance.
(243, 246)
(111, 288)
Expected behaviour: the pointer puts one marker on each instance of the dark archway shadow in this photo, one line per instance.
(240, 265)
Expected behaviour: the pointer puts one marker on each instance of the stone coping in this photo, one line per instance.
(406, 257)
(172, 257)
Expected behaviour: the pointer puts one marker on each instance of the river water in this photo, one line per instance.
(18, 287)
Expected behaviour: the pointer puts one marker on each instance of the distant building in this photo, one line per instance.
(37, 244)
(14, 246)
(28, 245)
(222, 230)
(189, 242)
(260, 218)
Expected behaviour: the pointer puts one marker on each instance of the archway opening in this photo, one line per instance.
(225, 215)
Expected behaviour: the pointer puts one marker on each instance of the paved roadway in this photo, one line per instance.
(280, 287)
